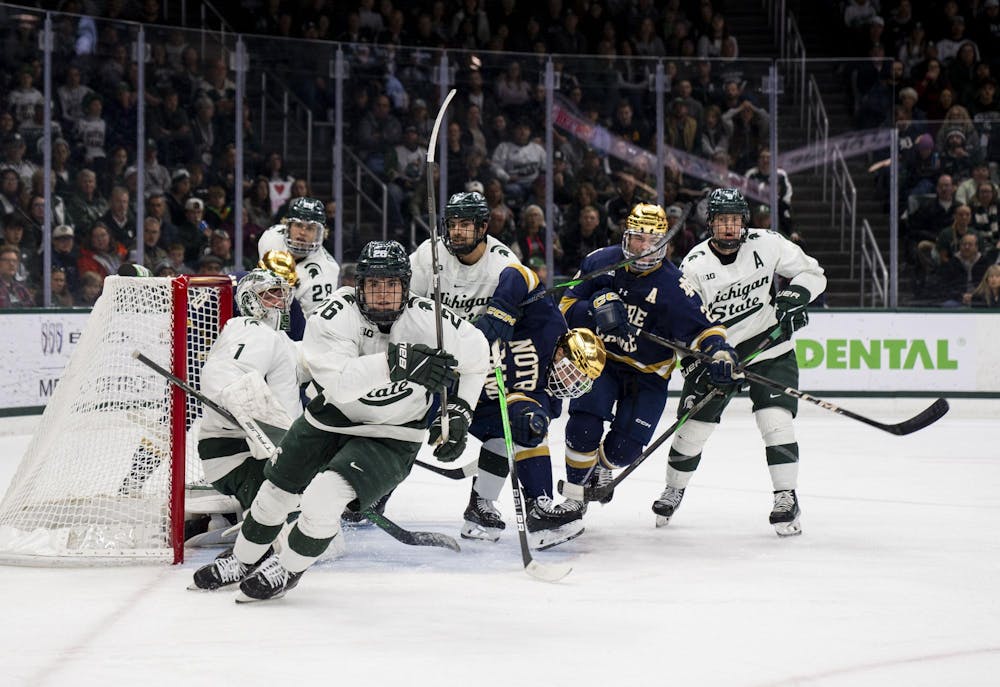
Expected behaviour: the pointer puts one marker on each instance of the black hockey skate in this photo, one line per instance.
(353, 517)
(667, 504)
(601, 479)
(482, 519)
(225, 571)
(269, 580)
(549, 524)
(785, 514)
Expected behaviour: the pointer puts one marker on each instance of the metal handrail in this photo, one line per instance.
(795, 55)
(417, 221)
(871, 259)
(361, 169)
(842, 184)
(817, 116)
(288, 98)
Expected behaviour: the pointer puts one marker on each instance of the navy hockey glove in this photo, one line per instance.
(498, 321)
(459, 419)
(528, 423)
(610, 314)
(722, 370)
(790, 309)
(421, 364)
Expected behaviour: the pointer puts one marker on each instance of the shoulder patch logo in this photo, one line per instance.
(757, 262)
(686, 287)
(313, 269)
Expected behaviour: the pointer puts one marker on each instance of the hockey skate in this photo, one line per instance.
(226, 570)
(785, 514)
(602, 479)
(549, 524)
(482, 519)
(353, 517)
(270, 580)
(667, 504)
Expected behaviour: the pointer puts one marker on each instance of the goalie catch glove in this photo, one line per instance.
(790, 307)
(418, 363)
(459, 419)
(610, 314)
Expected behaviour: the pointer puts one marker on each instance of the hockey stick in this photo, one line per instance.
(546, 573)
(386, 525)
(452, 473)
(576, 281)
(436, 269)
(586, 493)
(926, 417)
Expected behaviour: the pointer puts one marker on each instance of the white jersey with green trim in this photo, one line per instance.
(738, 294)
(245, 345)
(347, 358)
(466, 289)
(318, 272)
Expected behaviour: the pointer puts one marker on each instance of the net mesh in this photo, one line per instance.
(95, 482)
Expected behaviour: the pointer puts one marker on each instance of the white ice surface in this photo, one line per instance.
(895, 581)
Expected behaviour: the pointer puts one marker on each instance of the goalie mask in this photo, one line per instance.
(382, 281)
(728, 218)
(305, 226)
(645, 231)
(578, 360)
(281, 263)
(464, 206)
(263, 295)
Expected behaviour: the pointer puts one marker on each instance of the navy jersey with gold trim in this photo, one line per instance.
(659, 300)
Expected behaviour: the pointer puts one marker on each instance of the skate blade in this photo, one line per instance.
(540, 541)
(663, 520)
(788, 529)
(471, 530)
(195, 588)
(242, 598)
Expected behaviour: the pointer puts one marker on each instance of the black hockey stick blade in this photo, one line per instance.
(924, 418)
(452, 473)
(410, 537)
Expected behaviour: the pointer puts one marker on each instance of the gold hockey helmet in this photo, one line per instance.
(281, 263)
(582, 361)
(645, 229)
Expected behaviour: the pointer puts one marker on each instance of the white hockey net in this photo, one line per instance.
(96, 484)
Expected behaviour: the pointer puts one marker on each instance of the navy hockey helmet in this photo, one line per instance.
(728, 201)
(382, 260)
(465, 205)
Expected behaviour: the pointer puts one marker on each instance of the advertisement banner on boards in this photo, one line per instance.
(35, 350)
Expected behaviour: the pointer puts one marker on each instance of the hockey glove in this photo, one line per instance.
(722, 370)
(459, 419)
(421, 364)
(497, 323)
(610, 314)
(528, 423)
(790, 309)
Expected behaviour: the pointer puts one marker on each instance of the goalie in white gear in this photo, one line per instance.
(372, 351)
(733, 272)
(252, 371)
(301, 233)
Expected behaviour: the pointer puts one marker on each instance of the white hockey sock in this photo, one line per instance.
(270, 508)
(784, 476)
(322, 503)
(677, 478)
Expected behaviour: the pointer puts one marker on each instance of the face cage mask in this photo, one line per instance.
(301, 249)
(727, 244)
(458, 251)
(654, 258)
(277, 317)
(381, 317)
(566, 380)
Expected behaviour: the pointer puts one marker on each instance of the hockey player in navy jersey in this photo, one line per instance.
(733, 271)
(652, 295)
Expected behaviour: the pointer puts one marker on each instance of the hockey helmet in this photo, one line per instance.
(647, 220)
(310, 213)
(281, 263)
(728, 201)
(382, 260)
(265, 296)
(582, 362)
(465, 205)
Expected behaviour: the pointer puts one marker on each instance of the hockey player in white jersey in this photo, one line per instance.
(372, 352)
(733, 272)
(252, 371)
(477, 273)
(301, 233)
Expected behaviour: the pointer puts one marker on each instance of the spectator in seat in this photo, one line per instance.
(948, 47)
(682, 130)
(91, 285)
(65, 255)
(914, 49)
(62, 297)
(715, 133)
(122, 117)
(14, 236)
(985, 213)
(156, 206)
(193, 231)
(750, 132)
(21, 101)
(950, 238)
(960, 273)
(91, 132)
(987, 293)
(13, 294)
(217, 86)
(761, 174)
(13, 158)
(119, 219)
(300, 189)
(617, 209)
(11, 190)
(531, 235)
(921, 167)
(378, 131)
(101, 253)
(927, 222)
(175, 256)
(257, 205)
(518, 162)
(404, 172)
(85, 206)
(70, 97)
(955, 157)
(152, 252)
(512, 91)
(582, 237)
(710, 44)
(220, 246)
(633, 129)
(929, 86)
(61, 169)
(592, 172)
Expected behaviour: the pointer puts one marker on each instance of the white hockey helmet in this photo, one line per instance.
(265, 296)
